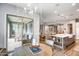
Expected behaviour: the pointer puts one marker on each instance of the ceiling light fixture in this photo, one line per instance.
(36, 8)
(55, 12)
(25, 8)
(73, 4)
(62, 15)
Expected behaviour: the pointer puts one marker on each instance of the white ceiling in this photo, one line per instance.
(54, 12)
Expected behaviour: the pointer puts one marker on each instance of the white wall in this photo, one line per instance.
(46, 29)
(73, 25)
(77, 30)
(65, 26)
(7, 9)
(13, 10)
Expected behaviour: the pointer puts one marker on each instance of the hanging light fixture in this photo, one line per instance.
(28, 10)
(25, 9)
(36, 8)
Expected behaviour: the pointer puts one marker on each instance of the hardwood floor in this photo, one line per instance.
(72, 50)
(25, 51)
(2, 52)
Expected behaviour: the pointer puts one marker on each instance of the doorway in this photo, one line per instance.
(70, 29)
(77, 28)
(17, 29)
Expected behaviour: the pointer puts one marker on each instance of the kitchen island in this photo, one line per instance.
(63, 40)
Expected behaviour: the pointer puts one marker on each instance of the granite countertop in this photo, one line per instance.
(64, 35)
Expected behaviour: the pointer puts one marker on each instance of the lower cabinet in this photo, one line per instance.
(49, 42)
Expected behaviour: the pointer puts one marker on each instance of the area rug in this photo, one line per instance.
(35, 50)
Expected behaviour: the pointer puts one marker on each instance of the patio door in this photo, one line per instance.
(15, 31)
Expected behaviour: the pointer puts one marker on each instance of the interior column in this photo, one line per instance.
(36, 30)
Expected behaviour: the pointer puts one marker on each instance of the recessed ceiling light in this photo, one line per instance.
(62, 15)
(55, 11)
(77, 10)
(25, 8)
(73, 4)
(36, 8)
